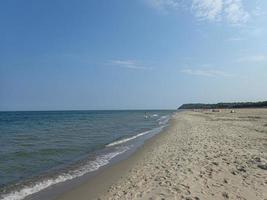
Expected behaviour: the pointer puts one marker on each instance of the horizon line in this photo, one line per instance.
(139, 109)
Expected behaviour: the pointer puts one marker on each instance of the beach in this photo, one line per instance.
(201, 155)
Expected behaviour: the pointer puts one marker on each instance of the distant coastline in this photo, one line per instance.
(260, 104)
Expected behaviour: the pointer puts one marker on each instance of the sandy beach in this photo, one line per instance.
(201, 155)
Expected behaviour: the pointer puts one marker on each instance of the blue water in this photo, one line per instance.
(35, 144)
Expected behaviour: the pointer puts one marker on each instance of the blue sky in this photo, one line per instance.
(138, 54)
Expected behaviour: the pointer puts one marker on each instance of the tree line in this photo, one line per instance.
(261, 104)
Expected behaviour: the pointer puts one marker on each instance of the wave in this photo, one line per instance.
(127, 139)
(164, 119)
(155, 130)
(88, 167)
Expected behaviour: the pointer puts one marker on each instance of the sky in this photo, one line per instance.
(131, 54)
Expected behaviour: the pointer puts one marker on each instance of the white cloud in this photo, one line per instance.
(230, 11)
(235, 13)
(129, 64)
(254, 58)
(165, 5)
(207, 9)
(235, 39)
(206, 72)
(258, 11)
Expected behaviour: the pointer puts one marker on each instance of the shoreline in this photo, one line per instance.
(103, 179)
(201, 155)
(59, 189)
(110, 149)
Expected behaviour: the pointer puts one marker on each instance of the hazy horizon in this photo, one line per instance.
(123, 109)
(128, 55)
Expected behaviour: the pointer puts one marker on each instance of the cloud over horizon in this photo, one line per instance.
(129, 64)
(253, 58)
(205, 72)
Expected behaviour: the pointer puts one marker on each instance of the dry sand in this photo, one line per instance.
(202, 155)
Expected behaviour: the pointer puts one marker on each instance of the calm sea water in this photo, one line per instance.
(39, 149)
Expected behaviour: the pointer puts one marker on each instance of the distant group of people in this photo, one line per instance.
(213, 110)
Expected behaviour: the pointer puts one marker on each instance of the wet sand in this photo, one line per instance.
(202, 155)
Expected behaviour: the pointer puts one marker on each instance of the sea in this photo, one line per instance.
(39, 149)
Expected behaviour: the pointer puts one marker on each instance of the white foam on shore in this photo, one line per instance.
(88, 167)
(127, 139)
(163, 120)
(136, 136)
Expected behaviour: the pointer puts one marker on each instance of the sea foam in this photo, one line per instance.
(88, 167)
